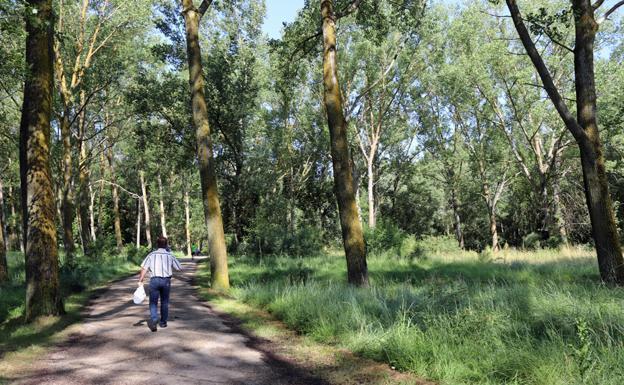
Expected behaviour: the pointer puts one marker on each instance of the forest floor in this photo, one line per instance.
(113, 345)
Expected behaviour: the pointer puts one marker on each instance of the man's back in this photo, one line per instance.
(160, 263)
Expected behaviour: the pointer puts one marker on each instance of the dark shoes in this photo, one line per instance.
(163, 324)
(151, 325)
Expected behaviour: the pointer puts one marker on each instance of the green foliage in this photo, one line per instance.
(452, 318)
(83, 274)
(385, 236)
(134, 254)
(532, 241)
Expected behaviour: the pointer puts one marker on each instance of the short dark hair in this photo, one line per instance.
(161, 242)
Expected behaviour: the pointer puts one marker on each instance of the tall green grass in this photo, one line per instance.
(518, 318)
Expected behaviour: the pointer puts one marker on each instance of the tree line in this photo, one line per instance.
(487, 123)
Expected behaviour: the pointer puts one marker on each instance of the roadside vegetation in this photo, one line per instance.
(524, 317)
(77, 284)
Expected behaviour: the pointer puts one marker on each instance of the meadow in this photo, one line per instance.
(516, 317)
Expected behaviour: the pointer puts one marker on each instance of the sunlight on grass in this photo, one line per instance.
(518, 317)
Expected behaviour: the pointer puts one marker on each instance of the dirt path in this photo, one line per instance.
(113, 345)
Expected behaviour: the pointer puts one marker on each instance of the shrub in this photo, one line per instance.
(532, 241)
(386, 236)
(437, 245)
(135, 255)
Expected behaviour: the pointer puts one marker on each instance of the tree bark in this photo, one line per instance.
(351, 226)
(210, 196)
(67, 191)
(92, 214)
(83, 182)
(584, 128)
(161, 205)
(15, 237)
(4, 270)
(146, 212)
(43, 295)
(115, 194)
(459, 235)
(187, 222)
(372, 218)
(138, 229)
(559, 220)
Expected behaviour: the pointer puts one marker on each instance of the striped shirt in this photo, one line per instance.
(159, 263)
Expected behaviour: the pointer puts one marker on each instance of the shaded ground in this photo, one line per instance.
(114, 346)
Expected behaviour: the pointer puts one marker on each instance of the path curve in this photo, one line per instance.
(113, 345)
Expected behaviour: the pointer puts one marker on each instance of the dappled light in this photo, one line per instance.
(362, 192)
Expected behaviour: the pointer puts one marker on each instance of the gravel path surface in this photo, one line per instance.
(113, 345)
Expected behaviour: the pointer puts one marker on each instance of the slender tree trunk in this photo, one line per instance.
(559, 220)
(83, 194)
(372, 220)
(115, 194)
(210, 195)
(494, 230)
(146, 211)
(138, 229)
(187, 222)
(4, 270)
(12, 237)
(16, 233)
(352, 235)
(544, 208)
(3, 219)
(92, 214)
(161, 205)
(459, 235)
(67, 205)
(100, 209)
(42, 273)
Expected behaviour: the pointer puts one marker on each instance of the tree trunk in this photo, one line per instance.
(544, 208)
(372, 220)
(585, 130)
(494, 230)
(43, 296)
(4, 270)
(138, 229)
(459, 235)
(210, 196)
(92, 214)
(352, 236)
(83, 194)
(67, 205)
(559, 220)
(148, 227)
(12, 228)
(187, 222)
(161, 205)
(604, 228)
(115, 194)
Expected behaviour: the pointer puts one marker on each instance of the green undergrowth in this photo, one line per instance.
(512, 318)
(77, 284)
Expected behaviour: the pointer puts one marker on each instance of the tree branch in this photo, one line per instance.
(204, 7)
(544, 73)
(609, 12)
(349, 9)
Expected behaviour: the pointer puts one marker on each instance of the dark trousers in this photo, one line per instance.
(159, 287)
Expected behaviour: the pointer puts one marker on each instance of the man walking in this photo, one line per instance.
(159, 263)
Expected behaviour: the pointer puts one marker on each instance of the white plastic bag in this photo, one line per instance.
(139, 294)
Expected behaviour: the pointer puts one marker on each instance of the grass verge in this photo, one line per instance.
(520, 318)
